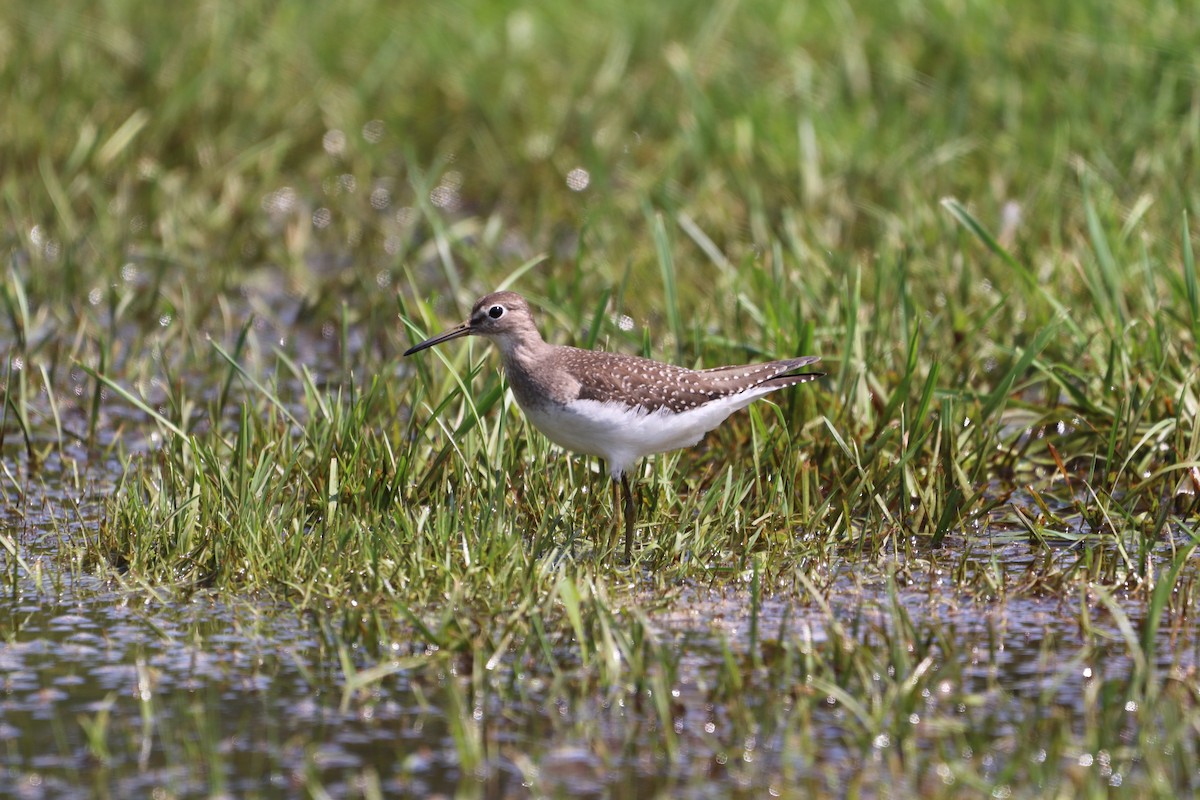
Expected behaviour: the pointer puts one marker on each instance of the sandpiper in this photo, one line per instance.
(618, 407)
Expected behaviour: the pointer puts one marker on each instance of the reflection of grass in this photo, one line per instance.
(214, 215)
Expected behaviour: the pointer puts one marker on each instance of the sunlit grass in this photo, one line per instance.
(981, 218)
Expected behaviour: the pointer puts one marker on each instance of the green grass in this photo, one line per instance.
(225, 223)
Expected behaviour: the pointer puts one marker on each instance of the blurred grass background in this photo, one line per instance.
(165, 132)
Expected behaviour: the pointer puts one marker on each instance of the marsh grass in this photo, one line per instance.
(218, 245)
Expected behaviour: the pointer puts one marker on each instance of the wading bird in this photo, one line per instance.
(618, 407)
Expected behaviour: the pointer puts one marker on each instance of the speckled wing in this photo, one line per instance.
(652, 385)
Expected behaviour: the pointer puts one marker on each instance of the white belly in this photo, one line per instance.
(622, 434)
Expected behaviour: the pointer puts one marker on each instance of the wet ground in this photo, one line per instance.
(119, 690)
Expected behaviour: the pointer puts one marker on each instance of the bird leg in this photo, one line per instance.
(627, 505)
(630, 513)
(615, 530)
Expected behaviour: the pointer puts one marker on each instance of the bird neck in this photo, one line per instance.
(521, 347)
(524, 361)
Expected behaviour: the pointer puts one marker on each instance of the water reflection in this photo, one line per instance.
(121, 687)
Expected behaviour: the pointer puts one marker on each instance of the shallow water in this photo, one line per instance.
(116, 691)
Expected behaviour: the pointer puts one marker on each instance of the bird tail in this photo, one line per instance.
(788, 376)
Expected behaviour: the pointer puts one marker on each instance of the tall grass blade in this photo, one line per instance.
(136, 402)
(666, 264)
(977, 229)
(1190, 282)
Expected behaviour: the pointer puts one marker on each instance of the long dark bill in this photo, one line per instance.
(461, 330)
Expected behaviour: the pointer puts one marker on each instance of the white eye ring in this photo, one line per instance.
(496, 312)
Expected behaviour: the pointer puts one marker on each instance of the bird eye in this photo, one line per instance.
(496, 312)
